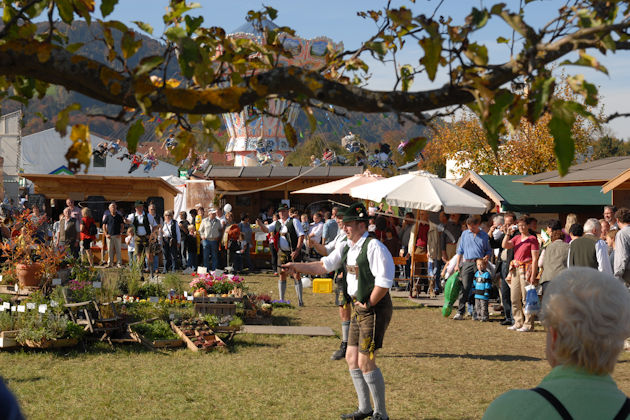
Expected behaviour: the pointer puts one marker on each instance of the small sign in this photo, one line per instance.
(42, 309)
(30, 305)
(21, 308)
(1, 308)
(154, 299)
(202, 270)
(6, 305)
(56, 282)
(53, 303)
(189, 298)
(218, 272)
(97, 284)
(13, 308)
(185, 294)
(0, 278)
(171, 316)
(16, 287)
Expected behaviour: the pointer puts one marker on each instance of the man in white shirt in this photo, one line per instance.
(342, 299)
(171, 239)
(316, 228)
(143, 223)
(593, 230)
(210, 232)
(369, 275)
(289, 237)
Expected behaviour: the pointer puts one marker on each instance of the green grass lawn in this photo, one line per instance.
(433, 367)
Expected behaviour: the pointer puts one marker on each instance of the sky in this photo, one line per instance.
(338, 20)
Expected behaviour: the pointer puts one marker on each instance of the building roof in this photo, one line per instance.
(507, 192)
(597, 172)
(214, 171)
(44, 153)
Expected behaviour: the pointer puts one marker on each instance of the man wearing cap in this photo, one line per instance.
(368, 275)
(341, 296)
(210, 232)
(143, 224)
(290, 236)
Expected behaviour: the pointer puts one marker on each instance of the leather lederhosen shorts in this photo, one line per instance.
(368, 326)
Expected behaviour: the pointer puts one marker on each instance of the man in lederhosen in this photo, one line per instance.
(290, 236)
(143, 224)
(369, 274)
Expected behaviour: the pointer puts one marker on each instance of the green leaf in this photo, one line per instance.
(406, 76)
(542, 89)
(432, 47)
(144, 26)
(147, 64)
(133, 135)
(211, 122)
(496, 113)
(192, 23)
(478, 54)
(66, 10)
(586, 61)
(560, 127)
(72, 48)
(414, 146)
(477, 18)
(107, 7)
(501, 40)
(271, 12)
(129, 44)
(289, 132)
(311, 118)
(175, 33)
(61, 125)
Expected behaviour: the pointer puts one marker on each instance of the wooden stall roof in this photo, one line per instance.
(245, 178)
(620, 182)
(597, 172)
(118, 188)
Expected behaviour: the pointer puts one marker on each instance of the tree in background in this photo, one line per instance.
(527, 149)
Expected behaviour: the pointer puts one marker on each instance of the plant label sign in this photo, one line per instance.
(202, 270)
(96, 284)
(13, 308)
(154, 299)
(42, 308)
(1, 308)
(53, 303)
(0, 278)
(6, 305)
(21, 308)
(185, 294)
(56, 282)
(30, 305)
(16, 287)
(189, 298)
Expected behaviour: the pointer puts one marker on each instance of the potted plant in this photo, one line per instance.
(27, 259)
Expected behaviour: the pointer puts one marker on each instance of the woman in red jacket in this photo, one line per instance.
(86, 238)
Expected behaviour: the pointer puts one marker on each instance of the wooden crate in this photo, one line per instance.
(191, 346)
(218, 309)
(7, 339)
(157, 344)
(52, 344)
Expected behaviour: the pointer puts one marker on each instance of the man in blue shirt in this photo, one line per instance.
(473, 244)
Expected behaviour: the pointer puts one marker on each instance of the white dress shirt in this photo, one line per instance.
(284, 244)
(141, 230)
(336, 242)
(379, 258)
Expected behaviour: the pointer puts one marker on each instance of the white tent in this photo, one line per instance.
(422, 191)
(44, 153)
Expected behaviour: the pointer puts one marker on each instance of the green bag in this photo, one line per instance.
(451, 291)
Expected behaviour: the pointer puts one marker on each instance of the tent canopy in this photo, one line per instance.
(422, 191)
(341, 186)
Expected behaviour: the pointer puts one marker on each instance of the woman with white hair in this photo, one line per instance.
(587, 317)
